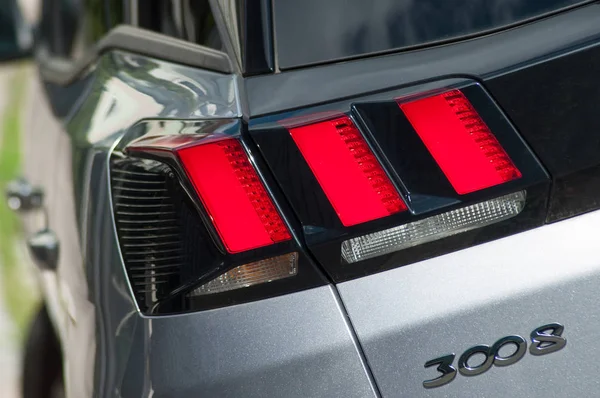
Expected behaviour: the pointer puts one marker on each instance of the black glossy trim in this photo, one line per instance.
(404, 153)
(575, 194)
(554, 105)
(481, 57)
(256, 36)
(296, 179)
(62, 72)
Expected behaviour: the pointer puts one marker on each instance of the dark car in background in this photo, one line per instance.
(341, 198)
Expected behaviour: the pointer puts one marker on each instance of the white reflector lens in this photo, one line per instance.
(433, 228)
(255, 273)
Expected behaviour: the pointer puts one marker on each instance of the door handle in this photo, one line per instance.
(22, 196)
(44, 247)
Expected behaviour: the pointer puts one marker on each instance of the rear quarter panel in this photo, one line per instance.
(408, 316)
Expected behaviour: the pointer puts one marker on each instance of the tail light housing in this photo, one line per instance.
(450, 162)
(198, 228)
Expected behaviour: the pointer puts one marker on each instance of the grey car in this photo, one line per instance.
(312, 198)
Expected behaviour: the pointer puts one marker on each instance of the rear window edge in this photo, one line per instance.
(437, 43)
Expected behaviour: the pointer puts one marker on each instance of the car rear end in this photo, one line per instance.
(404, 206)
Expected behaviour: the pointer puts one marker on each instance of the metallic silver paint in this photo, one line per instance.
(482, 293)
(296, 345)
(128, 38)
(128, 88)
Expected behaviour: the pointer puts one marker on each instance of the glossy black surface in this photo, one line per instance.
(297, 181)
(256, 42)
(575, 194)
(315, 31)
(404, 151)
(554, 105)
(423, 186)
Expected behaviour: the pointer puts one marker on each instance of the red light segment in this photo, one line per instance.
(351, 177)
(460, 142)
(234, 197)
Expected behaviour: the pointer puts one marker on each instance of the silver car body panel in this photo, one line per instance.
(298, 345)
(409, 315)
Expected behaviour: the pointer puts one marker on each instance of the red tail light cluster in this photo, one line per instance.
(355, 182)
(370, 184)
(360, 191)
(386, 177)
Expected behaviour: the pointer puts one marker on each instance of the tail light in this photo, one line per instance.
(353, 180)
(196, 222)
(208, 216)
(433, 228)
(397, 177)
(460, 142)
(251, 274)
(233, 195)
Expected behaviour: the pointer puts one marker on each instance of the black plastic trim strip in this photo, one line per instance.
(554, 106)
(481, 57)
(135, 40)
(257, 38)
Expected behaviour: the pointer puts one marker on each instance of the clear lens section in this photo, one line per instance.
(433, 228)
(251, 274)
